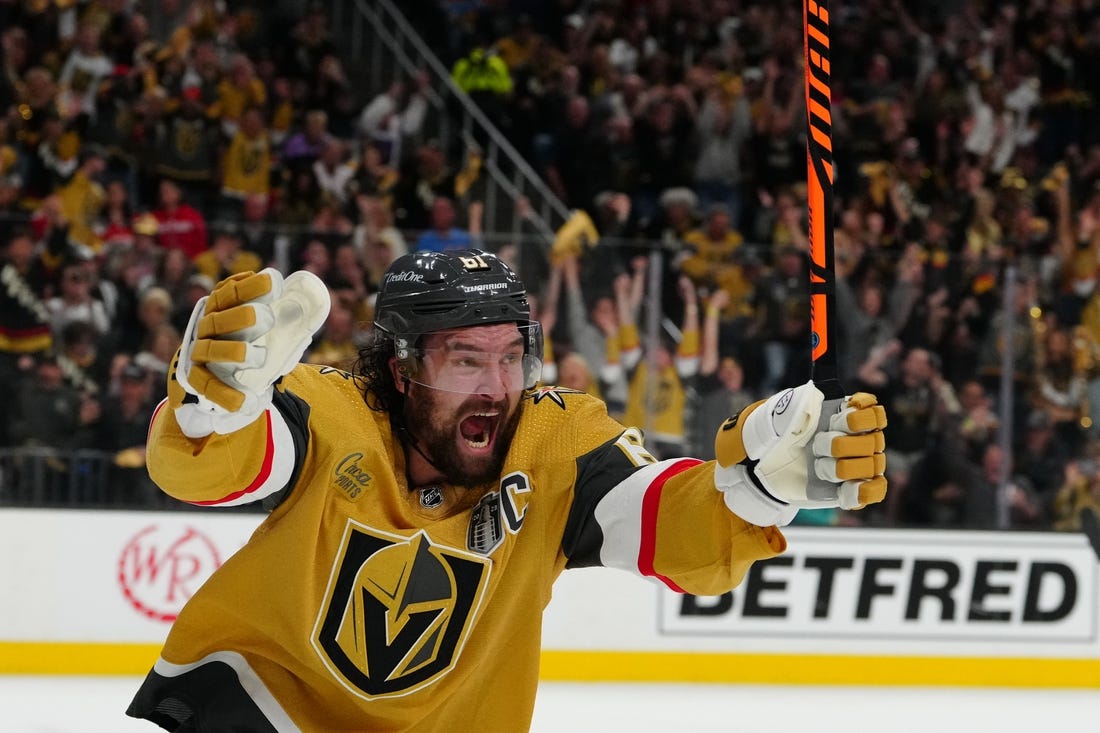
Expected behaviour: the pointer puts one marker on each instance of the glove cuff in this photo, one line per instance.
(744, 499)
(198, 416)
(202, 417)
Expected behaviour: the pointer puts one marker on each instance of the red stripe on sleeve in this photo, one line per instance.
(261, 477)
(650, 503)
(153, 418)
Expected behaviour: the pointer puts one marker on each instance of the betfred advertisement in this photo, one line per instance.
(97, 591)
(907, 586)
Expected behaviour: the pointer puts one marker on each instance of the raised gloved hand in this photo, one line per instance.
(250, 331)
(776, 457)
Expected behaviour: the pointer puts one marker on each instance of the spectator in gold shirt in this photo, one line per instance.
(246, 166)
(237, 92)
(712, 262)
(226, 256)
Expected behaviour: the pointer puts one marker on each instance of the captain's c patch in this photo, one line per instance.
(398, 611)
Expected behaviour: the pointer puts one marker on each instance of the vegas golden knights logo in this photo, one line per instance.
(188, 136)
(398, 611)
(251, 156)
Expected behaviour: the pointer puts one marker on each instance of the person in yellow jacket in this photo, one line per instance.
(423, 503)
(713, 260)
(1078, 494)
(83, 197)
(238, 91)
(246, 165)
(482, 71)
(657, 397)
(485, 78)
(226, 255)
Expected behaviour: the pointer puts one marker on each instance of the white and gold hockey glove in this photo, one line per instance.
(250, 331)
(775, 457)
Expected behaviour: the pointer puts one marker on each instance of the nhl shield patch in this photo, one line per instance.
(397, 611)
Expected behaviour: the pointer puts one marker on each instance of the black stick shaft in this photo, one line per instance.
(820, 177)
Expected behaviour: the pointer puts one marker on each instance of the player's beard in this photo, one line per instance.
(437, 437)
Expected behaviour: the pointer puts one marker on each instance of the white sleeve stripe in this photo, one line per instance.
(619, 515)
(251, 683)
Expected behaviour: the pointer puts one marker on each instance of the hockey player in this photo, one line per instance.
(422, 505)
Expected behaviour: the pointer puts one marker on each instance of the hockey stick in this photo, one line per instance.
(820, 176)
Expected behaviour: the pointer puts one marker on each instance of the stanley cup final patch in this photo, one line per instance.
(486, 529)
(499, 512)
(397, 611)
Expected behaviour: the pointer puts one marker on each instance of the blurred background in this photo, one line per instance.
(641, 162)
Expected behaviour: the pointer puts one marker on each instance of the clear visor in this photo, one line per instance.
(468, 371)
(470, 365)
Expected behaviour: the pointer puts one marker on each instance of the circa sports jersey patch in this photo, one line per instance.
(397, 611)
(350, 477)
(554, 394)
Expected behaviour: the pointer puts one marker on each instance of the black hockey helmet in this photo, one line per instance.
(424, 292)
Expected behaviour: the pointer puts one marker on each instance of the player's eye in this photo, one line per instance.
(468, 361)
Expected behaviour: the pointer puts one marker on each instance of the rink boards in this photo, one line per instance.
(95, 593)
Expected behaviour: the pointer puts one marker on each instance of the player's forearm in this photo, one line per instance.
(722, 547)
(219, 469)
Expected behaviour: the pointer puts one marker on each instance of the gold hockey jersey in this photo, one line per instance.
(360, 604)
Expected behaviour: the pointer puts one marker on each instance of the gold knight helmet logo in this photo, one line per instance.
(398, 611)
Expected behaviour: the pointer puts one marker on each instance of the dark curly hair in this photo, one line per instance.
(372, 373)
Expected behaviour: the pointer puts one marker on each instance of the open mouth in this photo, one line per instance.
(478, 429)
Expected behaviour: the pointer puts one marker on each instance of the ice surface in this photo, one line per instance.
(50, 704)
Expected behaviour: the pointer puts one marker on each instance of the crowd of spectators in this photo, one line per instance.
(149, 149)
(967, 172)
